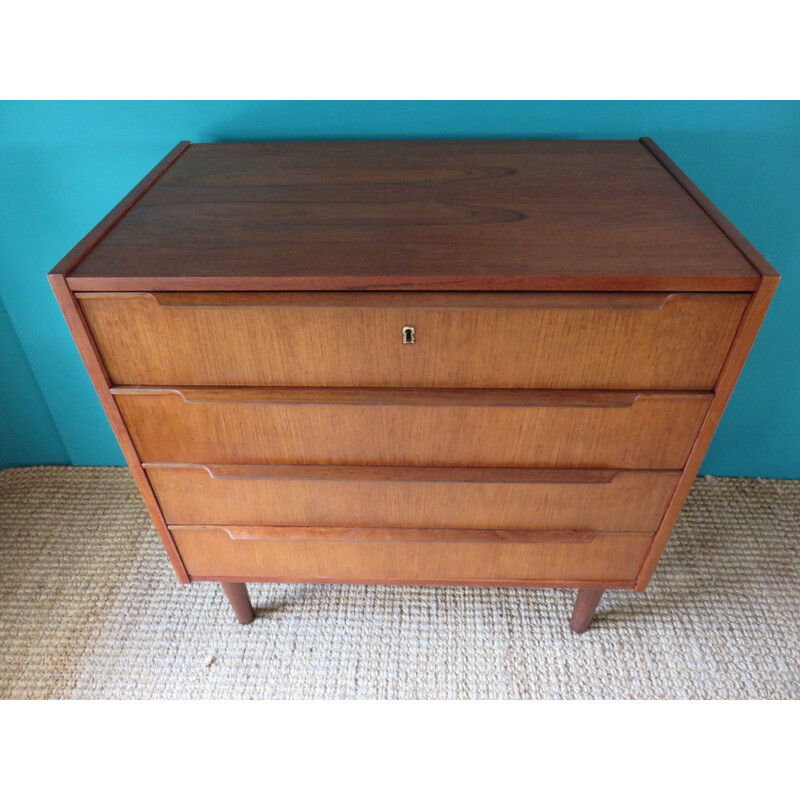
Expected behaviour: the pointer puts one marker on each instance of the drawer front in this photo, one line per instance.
(497, 428)
(264, 554)
(413, 497)
(547, 340)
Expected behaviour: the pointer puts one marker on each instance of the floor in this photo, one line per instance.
(90, 608)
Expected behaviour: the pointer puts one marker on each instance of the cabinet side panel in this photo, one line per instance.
(740, 348)
(99, 377)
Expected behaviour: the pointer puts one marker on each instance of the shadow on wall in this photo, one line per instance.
(27, 432)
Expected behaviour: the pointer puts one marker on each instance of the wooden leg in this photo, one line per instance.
(240, 601)
(585, 606)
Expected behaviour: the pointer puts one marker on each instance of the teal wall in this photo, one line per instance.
(27, 432)
(63, 165)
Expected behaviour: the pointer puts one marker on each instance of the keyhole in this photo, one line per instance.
(408, 334)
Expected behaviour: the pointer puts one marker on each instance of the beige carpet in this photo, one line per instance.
(89, 608)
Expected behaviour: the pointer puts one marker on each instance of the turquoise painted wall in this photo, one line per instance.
(63, 165)
(27, 432)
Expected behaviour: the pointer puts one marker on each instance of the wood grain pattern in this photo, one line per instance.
(581, 309)
(465, 215)
(452, 535)
(717, 217)
(94, 366)
(82, 248)
(413, 497)
(611, 557)
(426, 398)
(269, 472)
(406, 427)
(734, 362)
(680, 345)
(745, 336)
(601, 301)
(510, 583)
(88, 350)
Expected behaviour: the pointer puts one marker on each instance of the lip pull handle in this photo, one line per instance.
(483, 475)
(456, 301)
(461, 398)
(245, 533)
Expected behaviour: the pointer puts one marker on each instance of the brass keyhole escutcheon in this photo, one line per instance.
(409, 335)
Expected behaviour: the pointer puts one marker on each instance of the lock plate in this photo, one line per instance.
(409, 334)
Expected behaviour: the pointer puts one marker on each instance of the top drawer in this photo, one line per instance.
(581, 340)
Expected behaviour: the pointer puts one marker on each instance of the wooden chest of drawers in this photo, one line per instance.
(488, 363)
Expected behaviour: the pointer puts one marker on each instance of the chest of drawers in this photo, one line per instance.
(482, 363)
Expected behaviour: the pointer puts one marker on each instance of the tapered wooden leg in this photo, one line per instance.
(585, 605)
(240, 601)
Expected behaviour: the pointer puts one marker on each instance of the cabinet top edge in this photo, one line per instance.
(422, 214)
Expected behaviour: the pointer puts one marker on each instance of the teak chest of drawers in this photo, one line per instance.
(488, 363)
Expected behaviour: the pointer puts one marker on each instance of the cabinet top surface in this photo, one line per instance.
(416, 215)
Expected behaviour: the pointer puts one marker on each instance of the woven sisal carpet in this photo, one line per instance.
(89, 608)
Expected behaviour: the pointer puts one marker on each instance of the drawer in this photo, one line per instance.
(376, 556)
(413, 497)
(548, 340)
(407, 427)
